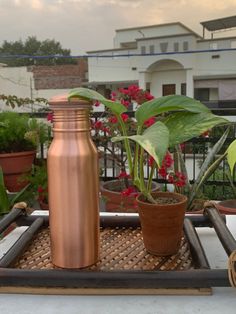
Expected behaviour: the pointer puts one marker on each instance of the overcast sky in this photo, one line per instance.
(83, 25)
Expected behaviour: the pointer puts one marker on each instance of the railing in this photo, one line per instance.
(194, 153)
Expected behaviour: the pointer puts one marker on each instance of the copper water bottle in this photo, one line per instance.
(73, 186)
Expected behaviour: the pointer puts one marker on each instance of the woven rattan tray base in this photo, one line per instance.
(121, 249)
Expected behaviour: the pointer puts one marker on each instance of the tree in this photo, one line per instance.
(33, 47)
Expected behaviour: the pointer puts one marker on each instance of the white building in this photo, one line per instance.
(169, 59)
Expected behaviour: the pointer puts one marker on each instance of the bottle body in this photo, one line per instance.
(73, 188)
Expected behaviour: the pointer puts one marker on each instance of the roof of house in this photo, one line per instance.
(158, 25)
(217, 24)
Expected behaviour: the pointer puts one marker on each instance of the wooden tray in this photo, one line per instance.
(125, 266)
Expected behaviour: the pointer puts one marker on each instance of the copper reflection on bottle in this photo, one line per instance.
(73, 186)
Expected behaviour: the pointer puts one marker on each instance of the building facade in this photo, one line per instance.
(167, 59)
(40, 81)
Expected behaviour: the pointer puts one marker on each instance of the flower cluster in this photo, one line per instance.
(127, 96)
(177, 178)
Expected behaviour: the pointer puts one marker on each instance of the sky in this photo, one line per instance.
(85, 25)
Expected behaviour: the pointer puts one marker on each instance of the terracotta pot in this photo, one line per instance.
(227, 207)
(115, 202)
(162, 224)
(13, 166)
(44, 205)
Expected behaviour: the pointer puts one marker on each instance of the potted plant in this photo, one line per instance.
(20, 136)
(229, 206)
(184, 119)
(38, 185)
(118, 194)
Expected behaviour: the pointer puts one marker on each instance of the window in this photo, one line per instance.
(168, 89)
(143, 50)
(151, 49)
(202, 94)
(176, 47)
(233, 44)
(213, 46)
(185, 45)
(163, 47)
(183, 89)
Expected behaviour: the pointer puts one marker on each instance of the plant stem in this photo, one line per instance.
(149, 186)
(126, 143)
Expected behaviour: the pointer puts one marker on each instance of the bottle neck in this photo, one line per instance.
(69, 121)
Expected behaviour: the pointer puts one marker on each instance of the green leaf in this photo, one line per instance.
(4, 201)
(154, 140)
(18, 195)
(231, 155)
(88, 94)
(168, 103)
(207, 169)
(185, 125)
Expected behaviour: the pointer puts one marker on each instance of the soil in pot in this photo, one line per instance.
(162, 223)
(115, 201)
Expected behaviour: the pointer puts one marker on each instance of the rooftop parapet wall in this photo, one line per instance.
(60, 76)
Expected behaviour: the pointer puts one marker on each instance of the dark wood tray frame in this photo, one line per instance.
(201, 277)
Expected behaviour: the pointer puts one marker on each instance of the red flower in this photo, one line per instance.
(162, 172)
(151, 161)
(50, 117)
(40, 189)
(124, 117)
(182, 146)
(168, 160)
(206, 134)
(150, 121)
(178, 179)
(97, 103)
(113, 119)
(126, 103)
(148, 96)
(98, 125)
(127, 192)
(123, 174)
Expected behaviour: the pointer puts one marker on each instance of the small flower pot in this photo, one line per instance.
(162, 224)
(227, 207)
(14, 165)
(115, 201)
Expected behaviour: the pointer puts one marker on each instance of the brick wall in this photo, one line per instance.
(60, 76)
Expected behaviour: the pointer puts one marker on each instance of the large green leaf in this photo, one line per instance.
(89, 94)
(168, 103)
(185, 125)
(231, 155)
(207, 169)
(154, 140)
